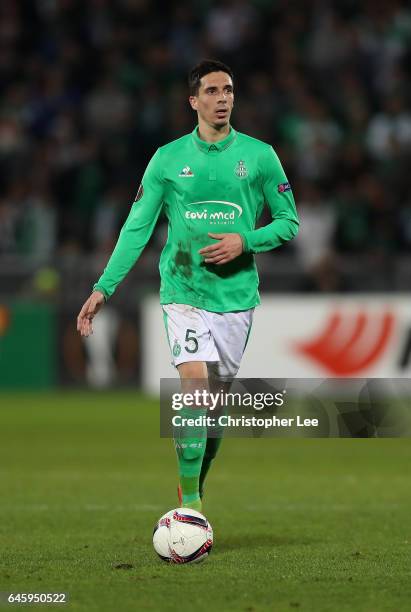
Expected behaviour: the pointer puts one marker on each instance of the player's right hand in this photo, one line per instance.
(88, 312)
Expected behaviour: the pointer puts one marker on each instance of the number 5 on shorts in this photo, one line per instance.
(191, 338)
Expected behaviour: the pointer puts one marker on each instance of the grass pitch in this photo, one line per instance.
(307, 524)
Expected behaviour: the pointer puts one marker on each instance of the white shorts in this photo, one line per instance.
(218, 338)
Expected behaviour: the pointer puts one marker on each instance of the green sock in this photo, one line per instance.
(190, 444)
(213, 444)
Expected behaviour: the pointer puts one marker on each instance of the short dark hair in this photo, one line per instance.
(203, 68)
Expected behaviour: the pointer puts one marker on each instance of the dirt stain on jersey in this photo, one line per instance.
(184, 261)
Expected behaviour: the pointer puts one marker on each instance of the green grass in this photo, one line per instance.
(307, 524)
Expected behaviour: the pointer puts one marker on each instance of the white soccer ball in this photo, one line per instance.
(183, 535)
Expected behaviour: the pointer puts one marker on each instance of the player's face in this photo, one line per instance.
(215, 99)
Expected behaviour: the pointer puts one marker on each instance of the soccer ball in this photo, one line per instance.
(183, 535)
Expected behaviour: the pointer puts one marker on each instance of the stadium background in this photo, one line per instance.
(89, 90)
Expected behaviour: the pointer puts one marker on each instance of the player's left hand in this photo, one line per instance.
(228, 247)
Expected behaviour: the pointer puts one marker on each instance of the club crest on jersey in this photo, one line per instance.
(186, 172)
(241, 170)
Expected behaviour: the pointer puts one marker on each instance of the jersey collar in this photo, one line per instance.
(209, 147)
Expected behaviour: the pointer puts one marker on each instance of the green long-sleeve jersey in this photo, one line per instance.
(206, 187)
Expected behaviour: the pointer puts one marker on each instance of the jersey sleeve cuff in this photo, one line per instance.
(97, 287)
(246, 245)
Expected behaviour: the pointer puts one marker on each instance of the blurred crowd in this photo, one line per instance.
(90, 88)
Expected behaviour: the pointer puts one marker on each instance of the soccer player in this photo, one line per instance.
(212, 186)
